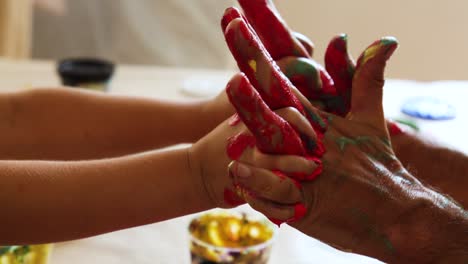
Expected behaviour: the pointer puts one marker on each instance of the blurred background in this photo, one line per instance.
(183, 33)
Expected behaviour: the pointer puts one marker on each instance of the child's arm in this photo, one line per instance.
(65, 124)
(49, 201)
(44, 201)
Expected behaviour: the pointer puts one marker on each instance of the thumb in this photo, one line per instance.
(368, 82)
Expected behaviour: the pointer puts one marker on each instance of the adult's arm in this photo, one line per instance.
(434, 164)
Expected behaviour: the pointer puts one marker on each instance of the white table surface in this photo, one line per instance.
(167, 242)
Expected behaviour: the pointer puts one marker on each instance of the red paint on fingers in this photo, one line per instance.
(272, 133)
(253, 60)
(238, 144)
(273, 31)
(231, 198)
(394, 129)
(299, 212)
(341, 68)
(234, 120)
(301, 176)
(230, 14)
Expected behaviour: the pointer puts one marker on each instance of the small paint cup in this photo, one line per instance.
(87, 73)
(35, 254)
(227, 237)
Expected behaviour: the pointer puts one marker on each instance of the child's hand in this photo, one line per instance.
(218, 108)
(211, 156)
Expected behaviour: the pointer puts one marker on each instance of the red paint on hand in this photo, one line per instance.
(299, 212)
(231, 198)
(230, 14)
(272, 133)
(253, 60)
(234, 120)
(280, 174)
(394, 129)
(273, 31)
(341, 68)
(237, 145)
(309, 176)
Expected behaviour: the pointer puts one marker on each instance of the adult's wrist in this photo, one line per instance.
(430, 229)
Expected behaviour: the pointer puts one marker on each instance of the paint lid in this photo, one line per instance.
(77, 71)
(429, 108)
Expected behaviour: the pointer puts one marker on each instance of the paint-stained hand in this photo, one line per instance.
(212, 156)
(328, 88)
(363, 188)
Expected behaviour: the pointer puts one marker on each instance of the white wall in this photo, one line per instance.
(433, 35)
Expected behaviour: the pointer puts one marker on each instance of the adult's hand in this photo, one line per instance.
(331, 90)
(364, 201)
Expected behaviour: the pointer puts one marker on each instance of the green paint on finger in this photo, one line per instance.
(315, 118)
(388, 41)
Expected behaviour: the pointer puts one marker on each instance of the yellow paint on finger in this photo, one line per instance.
(253, 65)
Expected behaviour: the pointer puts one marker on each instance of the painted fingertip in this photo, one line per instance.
(391, 44)
(343, 37)
(389, 40)
(317, 172)
(386, 44)
(310, 176)
(340, 43)
(230, 14)
(300, 211)
(313, 163)
(394, 129)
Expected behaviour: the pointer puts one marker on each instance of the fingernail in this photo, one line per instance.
(391, 45)
(311, 163)
(300, 211)
(242, 171)
(318, 169)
